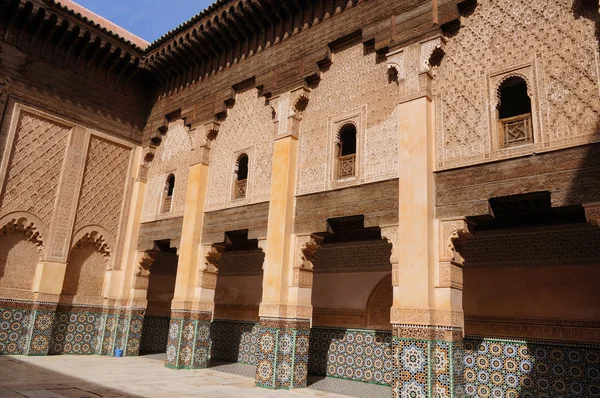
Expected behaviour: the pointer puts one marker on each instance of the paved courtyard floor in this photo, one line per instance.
(146, 377)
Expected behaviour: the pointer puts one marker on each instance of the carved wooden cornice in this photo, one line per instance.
(53, 32)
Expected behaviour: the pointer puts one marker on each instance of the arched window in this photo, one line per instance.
(514, 113)
(241, 179)
(168, 194)
(347, 151)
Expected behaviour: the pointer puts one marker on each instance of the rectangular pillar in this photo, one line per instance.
(285, 310)
(188, 345)
(426, 317)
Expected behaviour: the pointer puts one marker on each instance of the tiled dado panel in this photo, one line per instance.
(234, 341)
(426, 365)
(188, 345)
(282, 359)
(43, 328)
(528, 369)
(25, 327)
(96, 330)
(77, 330)
(362, 355)
(155, 334)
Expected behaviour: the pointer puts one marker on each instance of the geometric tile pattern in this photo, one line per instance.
(282, 359)
(33, 328)
(155, 334)
(14, 327)
(528, 369)
(234, 341)
(188, 344)
(425, 363)
(361, 355)
(75, 332)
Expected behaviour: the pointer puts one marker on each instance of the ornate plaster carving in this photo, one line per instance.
(498, 38)
(25, 224)
(32, 165)
(370, 95)
(307, 246)
(96, 236)
(453, 234)
(173, 156)
(248, 127)
(212, 254)
(592, 213)
(427, 49)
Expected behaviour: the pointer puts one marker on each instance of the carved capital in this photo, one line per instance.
(453, 234)
(390, 234)
(427, 50)
(145, 262)
(212, 129)
(306, 247)
(288, 109)
(212, 254)
(409, 66)
(592, 213)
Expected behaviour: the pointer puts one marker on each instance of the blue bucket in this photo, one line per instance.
(118, 353)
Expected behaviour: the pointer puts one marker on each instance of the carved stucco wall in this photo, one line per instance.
(104, 186)
(354, 82)
(84, 277)
(171, 157)
(545, 41)
(18, 261)
(34, 167)
(248, 128)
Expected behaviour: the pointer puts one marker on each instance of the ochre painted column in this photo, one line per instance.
(285, 311)
(427, 318)
(193, 303)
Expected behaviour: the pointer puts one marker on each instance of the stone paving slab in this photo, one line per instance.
(79, 376)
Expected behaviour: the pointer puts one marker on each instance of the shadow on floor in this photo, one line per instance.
(20, 379)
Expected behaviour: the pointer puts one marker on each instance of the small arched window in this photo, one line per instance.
(514, 113)
(241, 179)
(168, 194)
(346, 151)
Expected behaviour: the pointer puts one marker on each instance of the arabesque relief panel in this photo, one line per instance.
(248, 128)
(500, 36)
(103, 186)
(32, 165)
(354, 80)
(173, 156)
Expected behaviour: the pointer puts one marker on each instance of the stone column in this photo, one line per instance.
(285, 310)
(427, 323)
(193, 302)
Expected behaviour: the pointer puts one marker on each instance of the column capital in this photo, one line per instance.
(410, 66)
(592, 213)
(453, 232)
(287, 111)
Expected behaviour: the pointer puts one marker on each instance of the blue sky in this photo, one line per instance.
(148, 19)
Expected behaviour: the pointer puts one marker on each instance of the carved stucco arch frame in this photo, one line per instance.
(506, 77)
(100, 238)
(33, 228)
